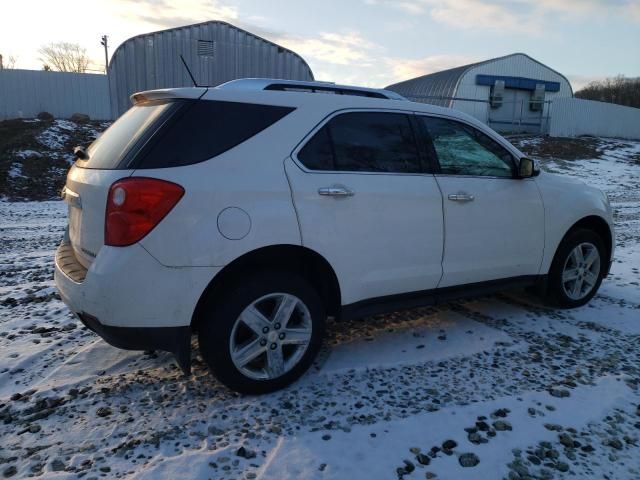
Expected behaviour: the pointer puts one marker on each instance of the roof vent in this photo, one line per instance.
(206, 48)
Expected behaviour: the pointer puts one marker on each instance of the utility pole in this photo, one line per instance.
(105, 44)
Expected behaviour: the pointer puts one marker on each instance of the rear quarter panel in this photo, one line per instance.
(250, 177)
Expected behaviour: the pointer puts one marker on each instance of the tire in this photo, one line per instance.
(229, 336)
(562, 290)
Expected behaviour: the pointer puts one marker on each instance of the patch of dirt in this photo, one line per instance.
(558, 148)
(35, 155)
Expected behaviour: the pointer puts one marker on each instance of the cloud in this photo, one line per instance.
(167, 13)
(404, 69)
(524, 16)
(634, 10)
(348, 48)
(578, 82)
(369, 63)
(475, 14)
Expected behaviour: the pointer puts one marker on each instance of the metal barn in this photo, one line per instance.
(215, 51)
(510, 93)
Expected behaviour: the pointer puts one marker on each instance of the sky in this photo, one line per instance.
(363, 42)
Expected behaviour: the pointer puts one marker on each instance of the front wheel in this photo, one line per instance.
(577, 269)
(263, 333)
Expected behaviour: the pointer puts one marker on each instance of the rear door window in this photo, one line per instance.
(364, 142)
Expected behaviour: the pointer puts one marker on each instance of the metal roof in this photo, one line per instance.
(215, 51)
(445, 83)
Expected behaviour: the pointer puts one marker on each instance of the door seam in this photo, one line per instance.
(444, 231)
(293, 200)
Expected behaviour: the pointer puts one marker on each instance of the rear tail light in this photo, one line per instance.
(135, 206)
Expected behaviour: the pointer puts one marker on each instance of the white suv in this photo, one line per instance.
(251, 212)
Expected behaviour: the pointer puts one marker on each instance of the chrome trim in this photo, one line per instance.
(335, 191)
(461, 197)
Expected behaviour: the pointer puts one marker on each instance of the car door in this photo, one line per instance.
(365, 203)
(493, 220)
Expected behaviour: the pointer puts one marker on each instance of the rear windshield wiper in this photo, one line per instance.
(81, 153)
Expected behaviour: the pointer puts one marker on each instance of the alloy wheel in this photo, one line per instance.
(581, 271)
(270, 336)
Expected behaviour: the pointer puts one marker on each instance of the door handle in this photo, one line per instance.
(335, 191)
(461, 197)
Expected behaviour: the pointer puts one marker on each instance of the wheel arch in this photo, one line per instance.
(598, 225)
(302, 260)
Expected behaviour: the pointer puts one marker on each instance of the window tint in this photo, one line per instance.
(317, 154)
(109, 149)
(463, 150)
(205, 129)
(364, 142)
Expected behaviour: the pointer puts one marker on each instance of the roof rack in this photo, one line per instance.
(309, 87)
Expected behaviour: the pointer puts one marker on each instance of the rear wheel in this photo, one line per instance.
(577, 269)
(262, 333)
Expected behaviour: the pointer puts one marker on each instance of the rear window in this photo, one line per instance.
(178, 133)
(206, 129)
(110, 148)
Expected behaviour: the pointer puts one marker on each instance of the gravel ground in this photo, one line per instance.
(497, 387)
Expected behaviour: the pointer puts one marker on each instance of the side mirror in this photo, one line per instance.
(527, 168)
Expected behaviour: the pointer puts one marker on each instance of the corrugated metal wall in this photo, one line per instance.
(25, 93)
(571, 117)
(153, 60)
(430, 88)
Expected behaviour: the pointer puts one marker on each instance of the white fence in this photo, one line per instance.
(25, 93)
(571, 117)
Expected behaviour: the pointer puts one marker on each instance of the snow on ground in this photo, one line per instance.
(57, 135)
(35, 155)
(15, 171)
(27, 153)
(525, 391)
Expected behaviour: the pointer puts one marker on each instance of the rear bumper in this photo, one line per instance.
(127, 287)
(131, 300)
(176, 340)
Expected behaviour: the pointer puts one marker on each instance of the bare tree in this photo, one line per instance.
(8, 63)
(64, 57)
(620, 90)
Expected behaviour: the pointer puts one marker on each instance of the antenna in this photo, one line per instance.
(188, 71)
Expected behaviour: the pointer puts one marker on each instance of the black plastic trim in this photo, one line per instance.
(176, 340)
(423, 298)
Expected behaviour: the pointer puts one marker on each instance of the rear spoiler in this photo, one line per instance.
(168, 93)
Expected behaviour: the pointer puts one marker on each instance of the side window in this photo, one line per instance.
(364, 142)
(317, 154)
(206, 129)
(463, 150)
